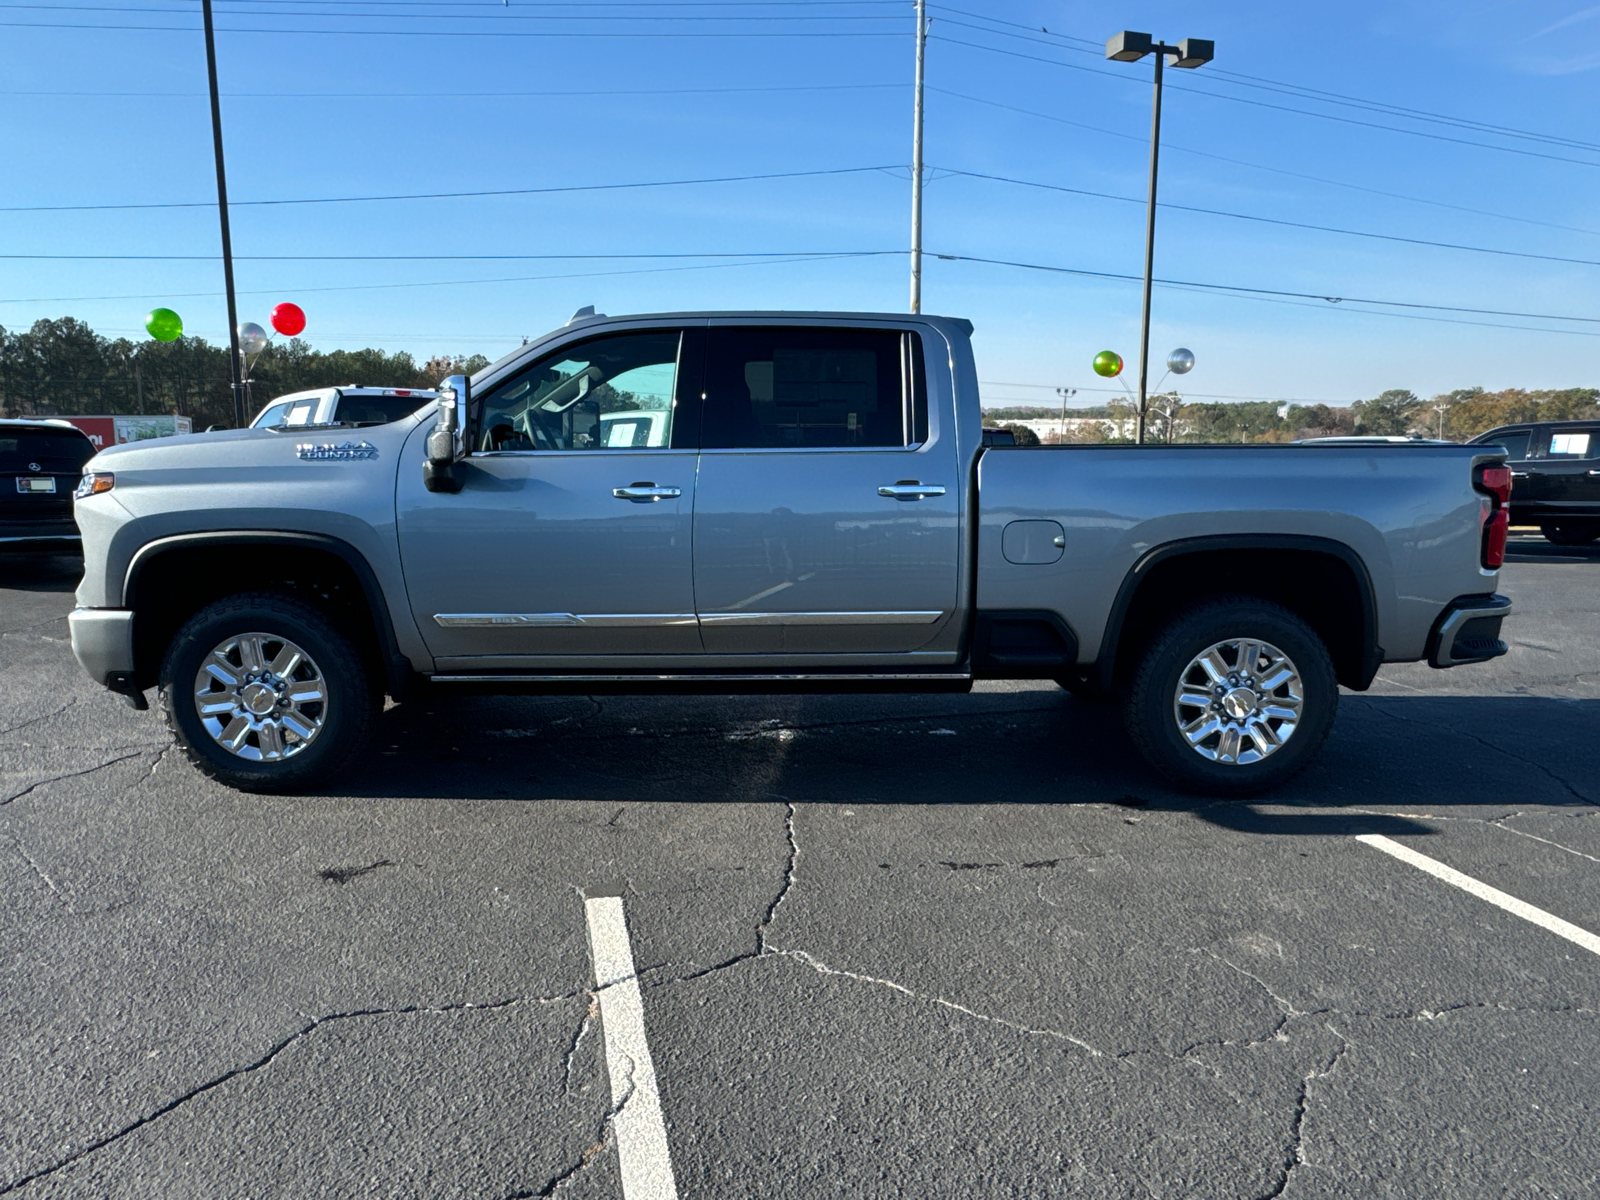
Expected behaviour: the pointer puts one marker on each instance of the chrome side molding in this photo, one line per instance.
(557, 620)
(821, 618)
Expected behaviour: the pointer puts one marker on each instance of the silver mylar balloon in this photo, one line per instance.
(252, 338)
(1180, 361)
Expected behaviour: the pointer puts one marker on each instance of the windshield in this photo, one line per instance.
(62, 453)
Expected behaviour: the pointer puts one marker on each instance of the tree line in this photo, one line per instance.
(1456, 416)
(64, 368)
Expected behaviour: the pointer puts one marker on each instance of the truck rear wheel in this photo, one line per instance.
(265, 694)
(1233, 698)
(1570, 533)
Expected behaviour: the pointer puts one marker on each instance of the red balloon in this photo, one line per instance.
(288, 319)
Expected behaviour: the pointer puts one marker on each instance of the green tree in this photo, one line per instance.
(1393, 412)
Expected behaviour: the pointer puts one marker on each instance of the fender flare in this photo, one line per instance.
(396, 666)
(1371, 651)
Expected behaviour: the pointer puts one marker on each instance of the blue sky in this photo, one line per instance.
(545, 95)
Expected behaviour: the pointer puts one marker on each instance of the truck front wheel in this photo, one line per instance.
(265, 694)
(1233, 698)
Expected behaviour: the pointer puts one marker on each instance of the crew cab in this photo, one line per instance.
(810, 506)
(1555, 477)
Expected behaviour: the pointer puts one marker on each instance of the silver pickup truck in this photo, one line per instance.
(768, 502)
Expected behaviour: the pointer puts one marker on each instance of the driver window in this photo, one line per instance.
(609, 393)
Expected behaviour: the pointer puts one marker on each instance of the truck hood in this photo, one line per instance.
(232, 449)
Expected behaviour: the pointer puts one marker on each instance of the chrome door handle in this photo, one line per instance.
(1519, 474)
(645, 493)
(910, 489)
(1592, 471)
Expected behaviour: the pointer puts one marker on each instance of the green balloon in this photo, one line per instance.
(164, 325)
(1107, 363)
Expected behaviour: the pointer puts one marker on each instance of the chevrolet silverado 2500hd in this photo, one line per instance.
(768, 502)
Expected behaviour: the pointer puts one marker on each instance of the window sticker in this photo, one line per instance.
(1574, 445)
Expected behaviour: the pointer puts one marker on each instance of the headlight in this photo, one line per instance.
(93, 483)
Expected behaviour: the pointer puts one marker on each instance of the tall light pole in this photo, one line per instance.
(234, 360)
(916, 162)
(1189, 53)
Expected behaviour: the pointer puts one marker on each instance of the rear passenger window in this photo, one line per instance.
(1571, 443)
(799, 387)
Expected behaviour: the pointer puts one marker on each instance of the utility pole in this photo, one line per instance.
(235, 363)
(916, 162)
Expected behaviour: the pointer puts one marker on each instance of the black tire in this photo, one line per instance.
(1570, 533)
(346, 716)
(1152, 719)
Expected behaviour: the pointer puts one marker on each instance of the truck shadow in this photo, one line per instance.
(41, 572)
(1021, 747)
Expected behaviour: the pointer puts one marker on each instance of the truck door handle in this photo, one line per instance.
(1519, 474)
(910, 489)
(1592, 471)
(645, 493)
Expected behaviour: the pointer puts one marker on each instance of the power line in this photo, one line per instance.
(1420, 133)
(436, 96)
(798, 254)
(1143, 139)
(464, 33)
(588, 187)
(503, 15)
(376, 287)
(1273, 292)
(1087, 46)
(1217, 212)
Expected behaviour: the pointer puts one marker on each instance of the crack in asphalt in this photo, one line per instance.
(788, 878)
(593, 1151)
(1294, 1156)
(312, 1024)
(36, 720)
(589, 1014)
(69, 775)
(1531, 762)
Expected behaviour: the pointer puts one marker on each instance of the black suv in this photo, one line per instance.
(1555, 477)
(40, 464)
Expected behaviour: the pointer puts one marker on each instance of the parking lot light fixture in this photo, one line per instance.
(1129, 46)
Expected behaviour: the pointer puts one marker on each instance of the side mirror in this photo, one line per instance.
(445, 446)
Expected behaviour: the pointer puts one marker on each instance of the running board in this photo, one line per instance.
(721, 683)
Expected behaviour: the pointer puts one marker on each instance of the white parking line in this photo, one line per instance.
(1483, 891)
(646, 1164)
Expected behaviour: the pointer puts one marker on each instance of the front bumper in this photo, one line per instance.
(41, 541)
(1468, 631)
(102, 642)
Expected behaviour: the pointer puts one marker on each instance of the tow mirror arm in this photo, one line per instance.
(446, 445)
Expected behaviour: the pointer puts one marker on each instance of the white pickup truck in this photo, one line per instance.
(768, 502)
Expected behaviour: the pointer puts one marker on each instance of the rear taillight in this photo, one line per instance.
(1494, 482)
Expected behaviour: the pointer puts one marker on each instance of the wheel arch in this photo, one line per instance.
(1327, 583)
(334, 573)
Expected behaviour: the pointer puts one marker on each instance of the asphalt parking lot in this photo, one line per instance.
(885, 946)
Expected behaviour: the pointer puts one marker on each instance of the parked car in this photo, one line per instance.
(343, 406)
(41, 463)
(819, 513)
(1555, 477)
(998, 437)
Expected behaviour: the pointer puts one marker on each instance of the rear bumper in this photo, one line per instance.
(102, 642)
(1468, 631)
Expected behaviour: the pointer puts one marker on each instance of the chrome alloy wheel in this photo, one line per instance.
(261, 697)
(1238, 701)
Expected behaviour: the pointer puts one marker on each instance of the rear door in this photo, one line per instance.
(560, 543)
(827, 513)
(1566, 478)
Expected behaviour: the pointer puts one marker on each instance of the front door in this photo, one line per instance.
(571, 533)
(827, 519)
